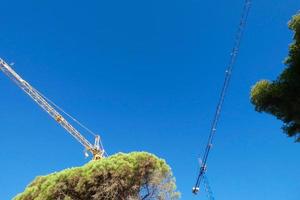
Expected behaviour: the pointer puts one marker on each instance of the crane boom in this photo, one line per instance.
(95, 149)
(233, 58)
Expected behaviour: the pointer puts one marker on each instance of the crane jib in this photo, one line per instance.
(233, 57)
(46, 106)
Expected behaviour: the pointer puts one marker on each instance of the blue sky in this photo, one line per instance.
(146, 75)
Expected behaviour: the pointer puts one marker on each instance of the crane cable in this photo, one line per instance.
(208, 189)
(73, 118)
(70, 116)
(228, 72)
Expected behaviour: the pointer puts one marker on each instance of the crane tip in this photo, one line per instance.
(195, 190)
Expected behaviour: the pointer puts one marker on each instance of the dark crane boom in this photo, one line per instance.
(233, 57)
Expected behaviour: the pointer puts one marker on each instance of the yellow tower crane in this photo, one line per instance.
(96, 149)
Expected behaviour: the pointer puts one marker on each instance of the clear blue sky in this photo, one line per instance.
(146, 75)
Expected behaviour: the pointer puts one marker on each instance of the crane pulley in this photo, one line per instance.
(96, 149)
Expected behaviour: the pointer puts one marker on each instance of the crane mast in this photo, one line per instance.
(95, 149)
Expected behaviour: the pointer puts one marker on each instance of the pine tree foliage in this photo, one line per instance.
(133, 176)
(281, 97)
